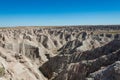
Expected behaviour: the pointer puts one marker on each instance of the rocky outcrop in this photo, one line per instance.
(78, 58)
(112, 72)
(18, 67)
(60, 53)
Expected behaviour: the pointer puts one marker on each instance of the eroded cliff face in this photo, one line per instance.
(60, 53)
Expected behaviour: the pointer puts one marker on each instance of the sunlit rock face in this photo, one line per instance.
(60, 53)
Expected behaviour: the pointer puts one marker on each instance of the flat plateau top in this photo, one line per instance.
(71, 26)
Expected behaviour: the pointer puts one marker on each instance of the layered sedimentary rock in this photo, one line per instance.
(60, 53)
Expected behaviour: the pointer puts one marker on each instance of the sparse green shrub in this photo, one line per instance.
(2, 71)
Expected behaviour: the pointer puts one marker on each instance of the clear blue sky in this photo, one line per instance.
(59, 12)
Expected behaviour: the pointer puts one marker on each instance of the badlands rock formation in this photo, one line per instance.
(60, 53)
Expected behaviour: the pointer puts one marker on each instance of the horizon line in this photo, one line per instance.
(61, 25)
